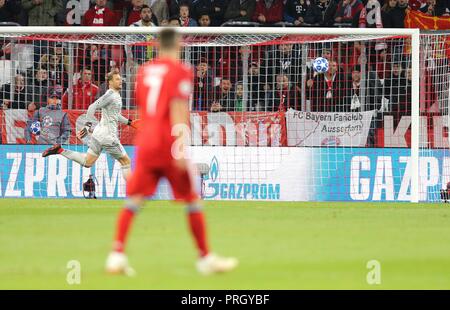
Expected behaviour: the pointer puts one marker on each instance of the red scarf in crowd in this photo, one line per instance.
(99, 19)
(185, 23)
(329, 80)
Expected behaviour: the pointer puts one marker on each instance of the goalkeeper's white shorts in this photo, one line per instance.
(113, 148)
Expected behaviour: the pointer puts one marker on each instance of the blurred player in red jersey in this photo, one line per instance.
(163, 87)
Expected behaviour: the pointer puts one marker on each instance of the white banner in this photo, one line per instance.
(258, 173)
(328, 129)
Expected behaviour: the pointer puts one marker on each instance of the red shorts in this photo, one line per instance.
(144, 180)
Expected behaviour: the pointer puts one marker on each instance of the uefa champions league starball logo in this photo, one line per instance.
(35, 128)
(47, 121)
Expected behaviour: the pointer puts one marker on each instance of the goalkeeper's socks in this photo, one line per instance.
(123, 225)
(75, 156)
(198, 230)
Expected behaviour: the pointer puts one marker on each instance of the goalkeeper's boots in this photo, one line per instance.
(212, 263)
(51, 150)
(117, 263)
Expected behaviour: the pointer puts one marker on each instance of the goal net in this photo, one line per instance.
(265, 124)
(434, 163)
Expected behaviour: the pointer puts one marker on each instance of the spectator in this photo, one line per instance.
(203, 85)
(240, 10)
(420, 5)
(354, 89)
(214, 8)
(139, 53)
(204, 20)
(416, 5)
(382, 63)
(223, 97)
(96, 57)
(327, 53)
(388, 13)
(5, 49)
(174, 21)
(443, 8)
(84, 92)
(348, 11)
(226, 61)
(42, 12)
(431, 80)
(55, 125)
(133, 13)
(395, 87)
(328, 10)
(268, 11)
(9, 9)
(61, 56)
(257, 88)
(119, 7)
(285, 58)
(301, 12)
(398, 15)
(326, 92)
(31, 107)
(429, 90)
(160, 10)
(57, 69)
(374, 91)
(174, 6)
(370, 102)
(201, 6)
(15, 96)
(231, 60)
(145, 17)
(239, 97)
(39, 87)
(185, 19)
(99, 15)
(283, 97)
(429, 8)
(351, 55)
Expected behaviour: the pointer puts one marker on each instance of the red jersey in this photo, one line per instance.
(158, 83)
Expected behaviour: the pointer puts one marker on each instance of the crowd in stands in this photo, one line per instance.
(276, 77)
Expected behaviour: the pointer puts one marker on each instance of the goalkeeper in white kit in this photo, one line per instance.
(105, 135)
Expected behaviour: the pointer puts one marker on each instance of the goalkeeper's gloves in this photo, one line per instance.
(85, 131)
(134, 124)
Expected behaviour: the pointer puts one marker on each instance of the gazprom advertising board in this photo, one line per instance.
(242, 173)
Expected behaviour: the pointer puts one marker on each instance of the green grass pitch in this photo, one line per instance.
(279, 245)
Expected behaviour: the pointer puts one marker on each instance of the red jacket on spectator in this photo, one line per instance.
(99, 17)
(83, 96)
(274, 14)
